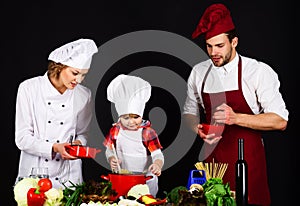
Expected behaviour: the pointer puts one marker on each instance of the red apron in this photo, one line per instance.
(226, 150)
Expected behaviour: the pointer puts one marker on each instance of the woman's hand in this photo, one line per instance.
(76, 142)
(60, 148)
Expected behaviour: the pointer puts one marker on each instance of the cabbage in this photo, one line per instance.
(138, 190)
(21, 189)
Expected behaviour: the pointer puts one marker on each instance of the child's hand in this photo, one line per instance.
(155, 169)
(114, 164)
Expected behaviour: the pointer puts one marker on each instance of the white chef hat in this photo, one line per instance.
(77, 54)
(129, 94)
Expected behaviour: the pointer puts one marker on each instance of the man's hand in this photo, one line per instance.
(224, 115)
(210, 138)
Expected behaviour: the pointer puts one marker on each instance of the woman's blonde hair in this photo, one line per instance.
(54, 69)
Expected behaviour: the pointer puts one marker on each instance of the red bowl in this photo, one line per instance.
(82, 151)
(213, 129)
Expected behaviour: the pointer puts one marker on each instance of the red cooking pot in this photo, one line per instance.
(82, 151)
(122, 183)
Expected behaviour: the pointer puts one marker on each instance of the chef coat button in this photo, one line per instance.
(61, 123)
(46, 160)
(56, 178)
(63, 105)
(47, 140)
(49, 121)
(57, 160)
(49, 103)
(57, 141)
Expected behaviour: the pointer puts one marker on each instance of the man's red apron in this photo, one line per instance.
(226, 150)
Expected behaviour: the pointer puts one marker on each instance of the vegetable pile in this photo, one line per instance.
(88, 191)
(214, 193)
(37, 192)
(181, 196)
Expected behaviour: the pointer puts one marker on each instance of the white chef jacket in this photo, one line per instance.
(43, 117)
(260, 85)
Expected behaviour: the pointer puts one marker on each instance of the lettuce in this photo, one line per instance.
(217, 193)
(21, 189)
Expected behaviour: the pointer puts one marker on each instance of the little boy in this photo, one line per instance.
(137, 146)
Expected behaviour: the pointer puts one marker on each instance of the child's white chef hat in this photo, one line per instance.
(129, 94)
(77, 54)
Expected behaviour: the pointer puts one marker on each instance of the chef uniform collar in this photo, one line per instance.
(230, 65)
(215, 20)
(77, 54)
(129, 94)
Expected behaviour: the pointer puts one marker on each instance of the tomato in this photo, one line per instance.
(44, 184)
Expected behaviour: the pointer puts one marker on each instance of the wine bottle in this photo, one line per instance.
(241, 174)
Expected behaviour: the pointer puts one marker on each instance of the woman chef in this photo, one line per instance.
(54, 109)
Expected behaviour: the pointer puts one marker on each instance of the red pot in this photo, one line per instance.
(122, 183)
(82, 151)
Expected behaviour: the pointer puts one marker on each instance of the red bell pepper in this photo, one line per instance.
(35, 197)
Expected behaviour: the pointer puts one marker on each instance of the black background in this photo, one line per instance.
(30, 31)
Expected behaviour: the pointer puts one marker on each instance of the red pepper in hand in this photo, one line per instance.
(35, 197)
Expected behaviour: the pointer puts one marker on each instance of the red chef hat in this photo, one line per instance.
(215, 20)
